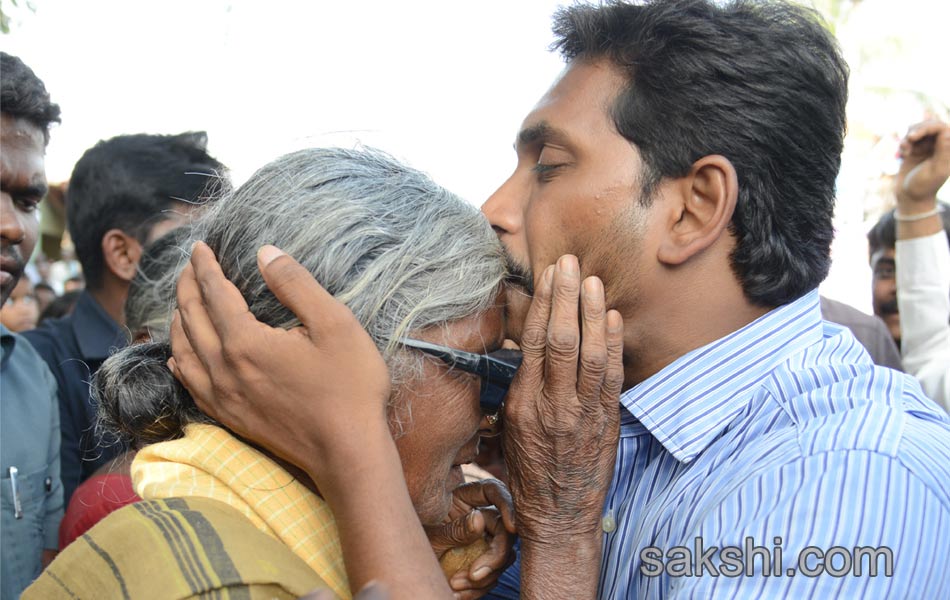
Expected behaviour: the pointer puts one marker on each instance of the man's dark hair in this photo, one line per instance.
(23, 95)
(127, 183)
(761, 83)
(148, 307)
(883, 236)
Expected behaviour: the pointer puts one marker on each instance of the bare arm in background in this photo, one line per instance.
(923, 259)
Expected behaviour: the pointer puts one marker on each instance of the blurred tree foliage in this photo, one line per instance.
(5, 12)
(835, 11)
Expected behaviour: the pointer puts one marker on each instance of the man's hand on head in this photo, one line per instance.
(303, 393)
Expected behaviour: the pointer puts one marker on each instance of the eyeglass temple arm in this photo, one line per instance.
(485, 366)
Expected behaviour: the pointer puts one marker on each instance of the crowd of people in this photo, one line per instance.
(617, 379)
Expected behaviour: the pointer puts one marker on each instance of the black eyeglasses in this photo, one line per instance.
(497, 369)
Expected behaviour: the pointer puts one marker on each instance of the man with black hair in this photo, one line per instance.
(882, 250)
(30, 488)
(123, 193)
(687, 157)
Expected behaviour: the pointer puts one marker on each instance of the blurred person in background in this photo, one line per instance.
(44, 294)
(882, 253)
(123, 193)
(61, 306)
(20, 312)
(870, 331)
(31, 494)
(76, 283)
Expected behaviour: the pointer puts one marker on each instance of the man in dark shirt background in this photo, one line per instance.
(123, 193)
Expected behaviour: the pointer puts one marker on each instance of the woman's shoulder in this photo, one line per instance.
(174, 548)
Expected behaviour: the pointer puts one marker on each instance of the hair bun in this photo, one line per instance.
(139, 399)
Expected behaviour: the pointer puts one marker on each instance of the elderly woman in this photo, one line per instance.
(421, 271)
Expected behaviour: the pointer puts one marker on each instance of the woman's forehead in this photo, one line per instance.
(478, 333)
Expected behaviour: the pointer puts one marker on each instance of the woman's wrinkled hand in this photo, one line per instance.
(480, 510)
(308, 393)
(562, 415)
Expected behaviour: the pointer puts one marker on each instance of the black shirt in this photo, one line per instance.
(74, 347)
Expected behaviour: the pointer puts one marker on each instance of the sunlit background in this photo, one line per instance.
(440, 84)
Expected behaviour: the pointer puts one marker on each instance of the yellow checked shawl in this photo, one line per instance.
(175, 549)
(210, 463)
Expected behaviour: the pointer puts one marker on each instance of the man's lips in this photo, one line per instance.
(10, 265)
(518, 273)
(887, 308)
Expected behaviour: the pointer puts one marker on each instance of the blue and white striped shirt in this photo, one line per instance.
(782, 436)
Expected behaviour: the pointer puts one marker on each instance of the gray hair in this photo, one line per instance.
(400, 251)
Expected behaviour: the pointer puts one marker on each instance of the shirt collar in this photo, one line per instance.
(690, 402)
(96, 332)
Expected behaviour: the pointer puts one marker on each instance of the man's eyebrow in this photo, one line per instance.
(541, 133)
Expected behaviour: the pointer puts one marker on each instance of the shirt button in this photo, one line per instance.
(609, 523)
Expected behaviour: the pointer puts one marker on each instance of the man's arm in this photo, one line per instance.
(923, 298)
(923, 259)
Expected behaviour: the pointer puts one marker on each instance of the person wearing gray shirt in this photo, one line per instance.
(31, 493)
(870, 331)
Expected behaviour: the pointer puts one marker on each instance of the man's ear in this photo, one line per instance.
(121, 253)
(704, 204)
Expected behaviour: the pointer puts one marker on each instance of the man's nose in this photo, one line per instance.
(11, 221)
(503, 209)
